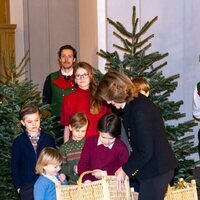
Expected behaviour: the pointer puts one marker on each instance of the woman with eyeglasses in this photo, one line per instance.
(81, 100)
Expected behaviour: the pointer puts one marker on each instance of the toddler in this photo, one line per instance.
(48, 166)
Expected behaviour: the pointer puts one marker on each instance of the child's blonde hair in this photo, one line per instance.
(47, 156)
(141, 84)
(78, 120)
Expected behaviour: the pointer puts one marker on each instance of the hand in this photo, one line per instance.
(87, 181)
(66, 133)
(58, 183)
(120, 175)
(76, 169)
(98, 174)
(62, 177)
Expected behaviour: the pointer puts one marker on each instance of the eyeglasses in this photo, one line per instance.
(79, 76)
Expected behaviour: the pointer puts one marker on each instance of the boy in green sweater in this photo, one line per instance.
(71, 150)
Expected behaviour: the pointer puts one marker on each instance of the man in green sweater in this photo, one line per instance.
(60, 83)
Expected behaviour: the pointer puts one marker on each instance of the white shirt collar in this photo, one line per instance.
(52, 178)
(123, 105)
(66, 73)
(99, 143)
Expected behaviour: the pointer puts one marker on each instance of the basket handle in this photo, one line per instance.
(87, 172)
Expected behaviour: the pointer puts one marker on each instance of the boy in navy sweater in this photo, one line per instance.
(26, 149)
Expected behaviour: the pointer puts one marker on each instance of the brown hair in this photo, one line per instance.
(90, 71)
(28, 109)
(141, 84)
(116, 86)
(67, 47)
(93, 85)
(78, 120)
(48, 155)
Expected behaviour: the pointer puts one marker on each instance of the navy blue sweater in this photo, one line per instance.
(24, 158)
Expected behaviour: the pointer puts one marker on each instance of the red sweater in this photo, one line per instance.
(101, 157)
(79, 101)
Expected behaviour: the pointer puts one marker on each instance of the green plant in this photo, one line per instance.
(13, 95)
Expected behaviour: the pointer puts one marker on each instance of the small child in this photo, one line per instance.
(71, 150)
(48, 166)
(141, 85)
(105, 152)
(25, 150)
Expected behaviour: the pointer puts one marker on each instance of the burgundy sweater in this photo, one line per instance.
(101, 157)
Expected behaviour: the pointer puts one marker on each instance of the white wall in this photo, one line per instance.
(101, 30)
(88, 31)
(176, 32)
(16, 17)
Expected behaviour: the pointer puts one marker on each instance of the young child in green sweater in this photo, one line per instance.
(71, 150)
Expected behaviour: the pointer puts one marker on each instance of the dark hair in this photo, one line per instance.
(28, 109)
(67, 47)
(111, 124)
(78, 120)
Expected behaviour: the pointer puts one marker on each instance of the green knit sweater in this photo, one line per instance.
(71, 152)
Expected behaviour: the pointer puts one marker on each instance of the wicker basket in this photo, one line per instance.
(134, 195)
(104, 189)
(189, 192)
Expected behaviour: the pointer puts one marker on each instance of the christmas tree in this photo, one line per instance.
(13, 95)
(138, 60)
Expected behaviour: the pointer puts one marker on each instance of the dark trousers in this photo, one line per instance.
(59, 132)
(26, 192)
(155, 188)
